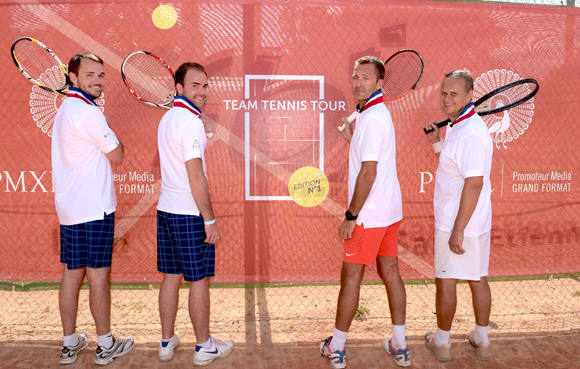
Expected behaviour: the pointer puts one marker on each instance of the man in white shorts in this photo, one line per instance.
(186, 227)
(462, 205)
(371, 226)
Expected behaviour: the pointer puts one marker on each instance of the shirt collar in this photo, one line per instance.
(467, 112)
(79, 94)
(375, 99)
(183, 102)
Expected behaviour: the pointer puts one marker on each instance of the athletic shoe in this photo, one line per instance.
(70, 356)
(442, 352)
(401, 356)
(484, 353)
(219, 350)
(337, 358)
(166, 352)
(120, 347)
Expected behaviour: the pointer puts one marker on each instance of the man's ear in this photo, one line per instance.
(179, 88)
(73, 79)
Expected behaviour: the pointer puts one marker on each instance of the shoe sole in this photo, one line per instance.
(204, 363)
(111, 359)
(442, 358)
(399, 363)
(76, 356)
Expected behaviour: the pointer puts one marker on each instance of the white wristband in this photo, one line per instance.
(210, 222)
(438, 146)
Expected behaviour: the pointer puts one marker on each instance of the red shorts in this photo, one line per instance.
(366, 244)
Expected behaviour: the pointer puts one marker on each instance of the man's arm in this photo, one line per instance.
(364, 183)
(200, 191)
(469, 197)
(117, 154)
(433, 136)
(347, 132)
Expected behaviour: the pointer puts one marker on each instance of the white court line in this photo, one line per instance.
(76, 35)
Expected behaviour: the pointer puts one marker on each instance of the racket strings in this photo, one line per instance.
(149, 78)
(39, 65)
(504, 98)
(402, 72)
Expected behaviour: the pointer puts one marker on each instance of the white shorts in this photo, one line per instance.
(471, 266)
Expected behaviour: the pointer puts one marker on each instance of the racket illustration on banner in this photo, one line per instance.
(150, 79)
(501, 99)
(403, 71)
(40, 65)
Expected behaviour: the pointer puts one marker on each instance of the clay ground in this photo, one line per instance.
(282, 327)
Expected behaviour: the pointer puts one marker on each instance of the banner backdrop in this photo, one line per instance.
(280, 80)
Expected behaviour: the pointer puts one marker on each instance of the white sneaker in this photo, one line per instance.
(166, 353)
(120, 347)
(219, 349)
(70, 356)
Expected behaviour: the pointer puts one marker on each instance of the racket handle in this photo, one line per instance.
(350, 119)
(440, 125)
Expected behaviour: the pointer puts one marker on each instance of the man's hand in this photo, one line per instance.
(346, 228)
(212, 233)
(209, 125)
(433, 137)
(456, 242)
(347, 130)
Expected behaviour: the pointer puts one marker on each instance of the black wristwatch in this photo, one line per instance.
(349, 216)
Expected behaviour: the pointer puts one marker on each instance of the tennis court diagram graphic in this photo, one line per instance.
(506, 126)
(284, 122)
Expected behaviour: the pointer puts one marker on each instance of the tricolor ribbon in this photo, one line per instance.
(467, 112)
(182, 102)
(79, 94)
(375, 99)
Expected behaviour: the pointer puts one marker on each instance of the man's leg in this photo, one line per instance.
(482, 308)
(100, 298)
(168, 303)
(199, 309)
(351, 277)
(445, 302)
(388, 268)
(68, 298)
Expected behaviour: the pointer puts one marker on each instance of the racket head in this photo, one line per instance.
(507, 96)
(403, 71)
(149, 78)
(39, 64)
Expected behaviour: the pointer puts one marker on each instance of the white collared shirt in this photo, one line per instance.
(374, 140)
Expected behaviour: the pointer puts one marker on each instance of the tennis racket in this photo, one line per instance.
(403, 71)
(40, 65)
(150, 79)
(503, 98)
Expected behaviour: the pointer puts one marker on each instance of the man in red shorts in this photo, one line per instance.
(371, 225)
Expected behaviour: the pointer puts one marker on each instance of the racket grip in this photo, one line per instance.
(350, 119)
(440, 125)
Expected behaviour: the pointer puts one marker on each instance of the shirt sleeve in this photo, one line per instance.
(193, 139)
(470, 156)
(372, 140)
(95, 128)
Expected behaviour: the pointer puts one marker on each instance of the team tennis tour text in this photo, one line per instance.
(135, 187)
(284, 105)
(549, 182)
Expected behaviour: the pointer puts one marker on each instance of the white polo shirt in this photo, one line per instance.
(181, 137)
(374, 140)
(83, 179)
(467, 153)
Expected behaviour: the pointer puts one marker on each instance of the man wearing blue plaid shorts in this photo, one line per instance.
(83, 146)
(186, 226)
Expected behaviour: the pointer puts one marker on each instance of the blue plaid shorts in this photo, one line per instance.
(180, 247)
(88, 244)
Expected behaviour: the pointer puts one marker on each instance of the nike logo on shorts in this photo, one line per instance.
(347, 254)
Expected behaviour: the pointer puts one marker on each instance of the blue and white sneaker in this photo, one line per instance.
(400, 356)
(219, 350)
(167, 349)
(337, 358)
(68, 355)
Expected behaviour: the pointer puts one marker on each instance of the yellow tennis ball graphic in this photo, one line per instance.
(164, 17)
(308, 186)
